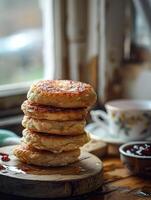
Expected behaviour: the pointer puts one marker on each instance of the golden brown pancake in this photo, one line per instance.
(54, 127)
(62, 93)
(52, 113)
(54, 143)
(44, 158)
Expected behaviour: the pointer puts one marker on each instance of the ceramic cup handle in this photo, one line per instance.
(95, 114)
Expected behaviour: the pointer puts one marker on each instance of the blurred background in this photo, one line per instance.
(106, 43)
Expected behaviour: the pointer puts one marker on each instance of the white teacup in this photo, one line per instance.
(127, 119)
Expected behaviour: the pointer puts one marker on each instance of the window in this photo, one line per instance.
(26, 51)
(20, 41)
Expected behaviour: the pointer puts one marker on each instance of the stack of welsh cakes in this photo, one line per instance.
(54, 122)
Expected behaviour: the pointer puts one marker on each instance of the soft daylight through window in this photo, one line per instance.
(20, 41)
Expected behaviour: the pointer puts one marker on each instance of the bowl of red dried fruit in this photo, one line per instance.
(136, 156)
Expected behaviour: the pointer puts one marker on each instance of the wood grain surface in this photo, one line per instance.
(119, 184)
(18, 178)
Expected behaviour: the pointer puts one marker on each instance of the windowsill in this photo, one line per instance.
(11, 120)
(11, 98)
(12, 123)
(15, 89)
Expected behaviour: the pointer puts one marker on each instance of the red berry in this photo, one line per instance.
(5, 158)
(2, 167)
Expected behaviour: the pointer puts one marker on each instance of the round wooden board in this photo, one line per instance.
(96, 146)
(18, 178)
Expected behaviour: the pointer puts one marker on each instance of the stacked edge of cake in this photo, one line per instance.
(55, 118)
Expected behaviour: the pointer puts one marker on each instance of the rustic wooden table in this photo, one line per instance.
(119, 184)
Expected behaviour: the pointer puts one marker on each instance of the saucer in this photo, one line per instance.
(99, 132)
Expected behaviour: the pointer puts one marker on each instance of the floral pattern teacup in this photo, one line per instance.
(126, 119)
